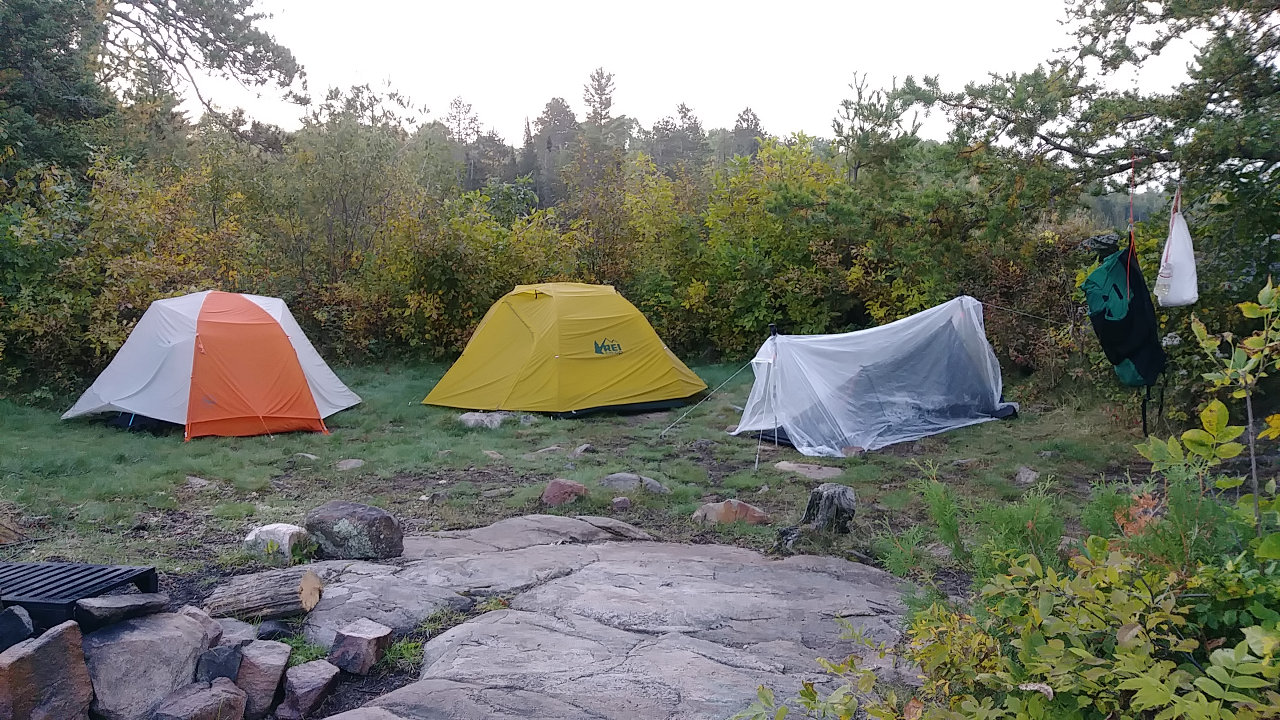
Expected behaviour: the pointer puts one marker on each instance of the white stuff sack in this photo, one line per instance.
(1177, 285)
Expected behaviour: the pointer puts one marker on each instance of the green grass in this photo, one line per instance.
(97, 494)
(305, 651)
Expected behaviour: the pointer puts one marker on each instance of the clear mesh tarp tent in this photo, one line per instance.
(838, 395)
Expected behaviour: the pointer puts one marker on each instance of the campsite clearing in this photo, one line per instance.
(91, 493)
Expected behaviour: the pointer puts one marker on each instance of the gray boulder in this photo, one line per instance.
(95, 612)
(351, 531)
(305, 687)
(212, 627)
(15, 626)
(275, 630)
(236, 632)
(276, 540)
(46, 677)
(137, 663)
(219, 700)
(360, 645)
(262, 664)
(630, 481)
(222, 661)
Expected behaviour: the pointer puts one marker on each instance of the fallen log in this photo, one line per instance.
(265, 596)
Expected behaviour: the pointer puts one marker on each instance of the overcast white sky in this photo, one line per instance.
(789, 61)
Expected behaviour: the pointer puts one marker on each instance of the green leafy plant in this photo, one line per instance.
(1240, 366)
(1034, 524)
(941, 504)
(1107, 638)
(903, 552)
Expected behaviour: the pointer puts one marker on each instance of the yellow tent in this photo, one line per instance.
(563, 347)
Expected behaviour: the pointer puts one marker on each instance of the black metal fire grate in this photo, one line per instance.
(48, 591)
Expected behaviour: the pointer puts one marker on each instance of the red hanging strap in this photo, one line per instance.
(1133, 171)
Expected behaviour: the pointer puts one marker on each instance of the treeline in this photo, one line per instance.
(390, 233)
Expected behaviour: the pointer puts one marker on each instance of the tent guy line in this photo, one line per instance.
(704, 399)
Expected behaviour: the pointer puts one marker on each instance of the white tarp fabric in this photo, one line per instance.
(150, 374)
(1177, 284)
(836, 395)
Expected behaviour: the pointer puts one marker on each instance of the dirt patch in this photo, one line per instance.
(354, 691)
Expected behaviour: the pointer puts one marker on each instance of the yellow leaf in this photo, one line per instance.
(914, 710)
(1272, 431)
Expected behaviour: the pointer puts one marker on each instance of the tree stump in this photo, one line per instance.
(831, 507)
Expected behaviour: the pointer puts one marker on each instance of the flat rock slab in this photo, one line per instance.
(809, 470)
(605, 625)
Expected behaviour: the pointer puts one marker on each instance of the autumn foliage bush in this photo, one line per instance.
(366, 231)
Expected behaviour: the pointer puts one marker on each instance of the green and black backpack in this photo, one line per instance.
(1124, 319)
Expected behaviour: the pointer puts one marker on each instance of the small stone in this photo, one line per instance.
(497, 492)
(493, 454)
(1047, 453)
(938, 551)
(275, 630)
(582, 449)
(212, 628)
(488, 420)
(560, 492)
(277, 540)
(360, 645)
(442, 453)
(196, 483)
(15, 626)
(1068, 547)
(93, 613)
(763, 489)
(1025, 477)
(262, 664)
(306, 456)
(349, 464)
(620, 503)
(351, 531)
(809, 470)
(964, 462)
(46, 677)
(728, 511)
(236, 632)
(305, 687)
(527, 419)
(222, 661)
(630, 481)
(218, 700)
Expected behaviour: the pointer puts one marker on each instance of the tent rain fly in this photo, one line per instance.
(838, 395)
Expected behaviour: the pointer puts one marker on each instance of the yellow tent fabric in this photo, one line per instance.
(563, 347)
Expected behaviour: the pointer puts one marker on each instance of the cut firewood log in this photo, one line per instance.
(266, 596)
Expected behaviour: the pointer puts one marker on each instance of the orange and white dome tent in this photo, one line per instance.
(220, 364)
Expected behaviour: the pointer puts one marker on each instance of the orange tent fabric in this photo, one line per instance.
(245, 378)
(219, 364)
